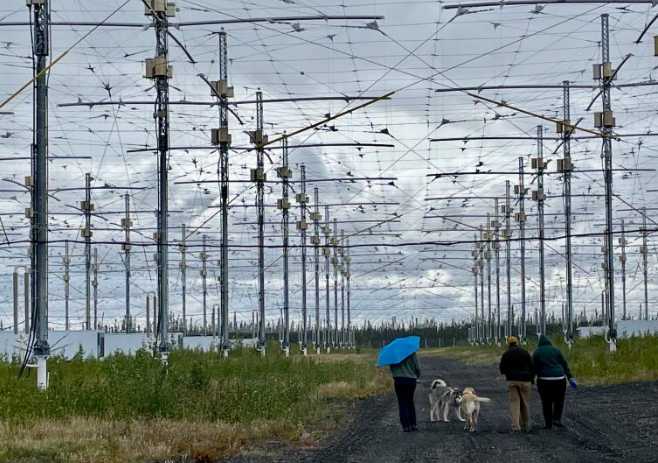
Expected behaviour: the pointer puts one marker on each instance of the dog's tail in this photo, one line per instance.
(484, 400)
(438, 383)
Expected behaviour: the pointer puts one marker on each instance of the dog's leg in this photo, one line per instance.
(446, 409)
(459, 414)
(476, 414)
(432, 412)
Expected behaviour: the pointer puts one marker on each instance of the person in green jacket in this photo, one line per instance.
(405, 375)
(552, 373)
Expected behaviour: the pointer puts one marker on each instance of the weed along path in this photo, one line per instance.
(616, 423)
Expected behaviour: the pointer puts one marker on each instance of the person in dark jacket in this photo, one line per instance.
(516, 365)
(405, 375)
(552, 373)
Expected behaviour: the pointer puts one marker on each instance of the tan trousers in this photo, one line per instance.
(519, 403)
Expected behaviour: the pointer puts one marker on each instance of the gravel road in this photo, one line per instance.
(603, 424)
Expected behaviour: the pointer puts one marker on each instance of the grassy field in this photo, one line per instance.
(129, 409)
(636, 359)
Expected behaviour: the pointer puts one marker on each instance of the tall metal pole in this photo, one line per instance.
(302, 225)
(87, 207)
(94, 285)
(316, 250)
(39, 219)
(483, 323)
(348, 277)
(539, 165)
(521, 218)
(221, 137)
(327, 285)
(284, 204)
(476, 321)
(27, 300)
(508, 257)
(342, 288)
(258, 176)
(148, 313)
(622, 260)
(160, 70)
(644, 263)
(566, 169)
(127, 224)
(67, 286)
(204, 283)
(607, 124)
(496, 245)
(487, 255)
(183, 275)
(15, 286)
(334, 261)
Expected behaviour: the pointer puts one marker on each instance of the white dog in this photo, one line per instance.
(442, 399)
(469, 406)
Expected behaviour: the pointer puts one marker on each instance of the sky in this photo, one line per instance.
(411, 258)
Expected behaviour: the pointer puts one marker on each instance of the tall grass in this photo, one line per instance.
(242, 398)
(636, 359)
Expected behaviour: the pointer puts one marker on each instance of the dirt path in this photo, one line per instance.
(604, 424)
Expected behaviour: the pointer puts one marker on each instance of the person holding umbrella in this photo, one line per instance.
(400, 356)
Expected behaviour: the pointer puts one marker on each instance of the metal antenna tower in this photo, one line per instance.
(27, 289)
(483, 328)
(487, 255)
(221, 137)
(204, 282)
(348, 277)
(183, 275)
(334, 261)
(622, 260)
(127, 223)
(147, 329)
(538, 195)
(39, 186)
(521, 218)
(326, 250)
(315, 239)
(644, 251)
(283, 204)
(476, 324)
(508, 256)
(606, 122)
(258, 176)
(158, 69)
(565, 166)
(341, 252)
(496, 245)
(67, 286)
(302, 225)
(87, 208)
(14, 281)
(94, 284)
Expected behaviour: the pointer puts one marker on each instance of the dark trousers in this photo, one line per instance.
(404, 390)
(552, 393)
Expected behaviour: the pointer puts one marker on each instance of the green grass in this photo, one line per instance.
(93, 409)
(590, 361)
(636, 359)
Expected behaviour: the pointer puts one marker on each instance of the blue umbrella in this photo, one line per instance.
(398, 350)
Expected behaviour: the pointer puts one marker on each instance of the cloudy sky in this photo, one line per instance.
(412, 258)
